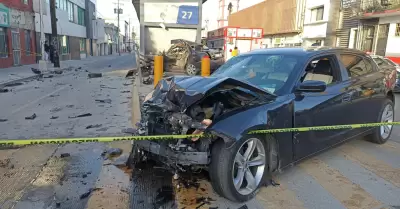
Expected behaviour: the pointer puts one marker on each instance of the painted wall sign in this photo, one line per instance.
(4, 16)
(244, 33)
(231, 32)
(188, 15)
(172, 13)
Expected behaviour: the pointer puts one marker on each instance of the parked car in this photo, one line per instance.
(384, 62)
(264, 89)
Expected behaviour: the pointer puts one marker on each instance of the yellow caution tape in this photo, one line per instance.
(5, 142)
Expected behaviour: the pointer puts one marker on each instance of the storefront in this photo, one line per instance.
(245, 39)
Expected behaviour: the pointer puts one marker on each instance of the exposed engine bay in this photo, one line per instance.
(174, 109)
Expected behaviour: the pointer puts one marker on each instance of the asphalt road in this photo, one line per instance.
(52, 176)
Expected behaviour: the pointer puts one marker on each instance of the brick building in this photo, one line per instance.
(17, 35)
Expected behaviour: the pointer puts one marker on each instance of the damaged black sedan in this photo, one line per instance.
(264, 89)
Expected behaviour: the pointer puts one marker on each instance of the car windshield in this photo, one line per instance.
(269, 72)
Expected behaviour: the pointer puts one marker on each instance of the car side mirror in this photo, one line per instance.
(312, 86)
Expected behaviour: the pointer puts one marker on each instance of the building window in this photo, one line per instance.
(25, 1)
(63, 44)
(63, 4)
(3, 43)
(317, 14)
(81, 16)
(82, 44)
(70, 9)
(397, 33)
(28, 42)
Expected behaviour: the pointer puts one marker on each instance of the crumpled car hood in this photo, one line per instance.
(177, 93)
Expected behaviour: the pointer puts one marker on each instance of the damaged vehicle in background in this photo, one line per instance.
(183, 57)
(264, 89)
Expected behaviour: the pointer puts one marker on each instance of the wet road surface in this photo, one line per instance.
(53, 176)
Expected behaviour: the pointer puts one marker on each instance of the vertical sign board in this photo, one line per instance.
(188, 15)
(4, 16)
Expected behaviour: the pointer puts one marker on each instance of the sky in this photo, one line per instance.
(105, 10)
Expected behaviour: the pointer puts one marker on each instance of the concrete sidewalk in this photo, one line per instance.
(24, 72)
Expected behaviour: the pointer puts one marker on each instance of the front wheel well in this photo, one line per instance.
(390, 95)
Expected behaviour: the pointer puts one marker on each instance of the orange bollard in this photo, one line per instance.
(205, 66)
(158, 69)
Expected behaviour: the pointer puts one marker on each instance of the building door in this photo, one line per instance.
(369, 32)
(16, 46)
(383, 32)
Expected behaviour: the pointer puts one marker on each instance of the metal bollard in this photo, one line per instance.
(158, 69)
(205, 66)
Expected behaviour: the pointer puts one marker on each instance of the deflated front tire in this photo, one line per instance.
(239, 171)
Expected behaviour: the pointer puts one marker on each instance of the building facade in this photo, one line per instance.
(91, 28)
(17, 33)
(71, 27)
(321, 22)
(279, 30)
(378, 30)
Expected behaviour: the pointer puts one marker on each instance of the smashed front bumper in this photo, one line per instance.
(162, 152)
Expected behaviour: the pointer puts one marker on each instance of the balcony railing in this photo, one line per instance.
(361, 7)
(373, 6)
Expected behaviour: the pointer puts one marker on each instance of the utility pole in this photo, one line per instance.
(42, 38)
(129, 34)
(119, 50)
(54, 33)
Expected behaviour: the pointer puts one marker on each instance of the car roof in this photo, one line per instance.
(306, 51)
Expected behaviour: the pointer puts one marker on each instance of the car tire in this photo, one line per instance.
(382, 133)
(191, 69)
(224, 168)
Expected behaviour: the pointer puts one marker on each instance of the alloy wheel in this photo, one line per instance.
(387, 116)
(249, 166)
(191, 69)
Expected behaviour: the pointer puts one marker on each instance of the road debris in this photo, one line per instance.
(54, 117)
(106, 87)
(54, 95)
(58, 72)
(81, 115)
(93, 126)
(95, 75)
(129, 131)
(14, 84)
(70, 106)
(86, 194)
(113, 152)
(36, 71)
(129, 74)
(32, 117)
(125, 91)
(48, 76)
(5, 163)
(4, 90)
(56, 109)
(63, 155)
(108, 101)
(3, 120)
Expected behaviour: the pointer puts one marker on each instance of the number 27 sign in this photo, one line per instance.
(188, 15)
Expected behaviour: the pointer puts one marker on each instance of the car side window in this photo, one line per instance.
(355, 65)
(322, 69)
